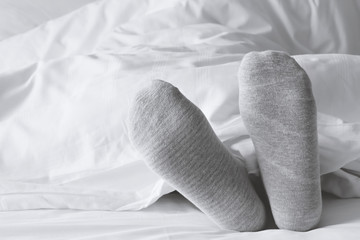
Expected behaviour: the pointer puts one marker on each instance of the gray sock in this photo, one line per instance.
(178, 144)
(278, 109)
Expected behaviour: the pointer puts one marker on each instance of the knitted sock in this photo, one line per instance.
(178, 144)
(278, 109)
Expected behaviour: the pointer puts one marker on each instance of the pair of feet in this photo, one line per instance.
(278, 109)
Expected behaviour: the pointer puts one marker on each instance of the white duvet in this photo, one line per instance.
(65, 87)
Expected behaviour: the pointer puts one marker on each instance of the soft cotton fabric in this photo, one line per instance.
(64, 88)
(178, 143)
(172, 217)
(18, 16)
(279, 111)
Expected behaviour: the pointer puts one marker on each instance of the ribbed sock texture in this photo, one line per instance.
(178, 143)
(279, 111)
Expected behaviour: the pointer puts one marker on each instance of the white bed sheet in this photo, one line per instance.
(172, 217)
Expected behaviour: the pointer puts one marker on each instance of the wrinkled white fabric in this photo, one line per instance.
(18, 16)
(172, 217)
(64, 90)
(75, 33)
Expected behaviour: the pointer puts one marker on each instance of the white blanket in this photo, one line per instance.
(65, 87)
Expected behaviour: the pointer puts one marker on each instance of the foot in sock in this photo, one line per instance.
(178, 143)
(278, 109)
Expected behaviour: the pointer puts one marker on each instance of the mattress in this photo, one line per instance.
(172, 217)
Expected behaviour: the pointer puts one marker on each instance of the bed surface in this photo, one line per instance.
(172, 217)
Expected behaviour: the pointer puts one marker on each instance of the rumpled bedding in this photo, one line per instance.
(19, 16)
(171, 217)
(65, 88)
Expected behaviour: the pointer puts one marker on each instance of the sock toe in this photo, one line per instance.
(151, 108)
(276, 66)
